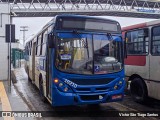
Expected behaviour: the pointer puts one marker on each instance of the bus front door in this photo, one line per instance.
(48, 74)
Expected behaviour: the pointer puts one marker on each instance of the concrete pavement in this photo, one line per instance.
(12, 101)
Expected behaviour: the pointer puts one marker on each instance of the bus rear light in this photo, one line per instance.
(56, 80)
(114, 97)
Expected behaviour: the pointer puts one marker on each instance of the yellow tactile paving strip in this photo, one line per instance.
(5, 102)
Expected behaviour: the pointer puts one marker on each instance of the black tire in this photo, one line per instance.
(29, 79)
(41, 91)
(138, 90)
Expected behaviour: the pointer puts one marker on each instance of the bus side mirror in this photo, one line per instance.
(51, 40)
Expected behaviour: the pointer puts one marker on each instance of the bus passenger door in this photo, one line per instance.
(154, 83)
(155, 54)
(48, 74)
(155, 68)
(33, 61)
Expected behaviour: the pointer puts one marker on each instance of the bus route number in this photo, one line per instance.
(70, 83)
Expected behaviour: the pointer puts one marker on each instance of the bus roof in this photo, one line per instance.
(141, 25)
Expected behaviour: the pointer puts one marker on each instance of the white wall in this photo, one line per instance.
(4, 19)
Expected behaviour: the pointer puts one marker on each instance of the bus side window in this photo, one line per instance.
(45, 35)
(43, 49)
(39, 44)
(36, 45)
(155, 45)
(29, 48)
(43, 44)
(137, 43)
(50, 28)
(26, 49)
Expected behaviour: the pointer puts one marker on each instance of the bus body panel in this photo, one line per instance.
(37, 72)
(154, 81)
(39, 69)
(137, 65)
(136, 60)
(153, 89)
(30, 67)
(43, 73)
(155, 68)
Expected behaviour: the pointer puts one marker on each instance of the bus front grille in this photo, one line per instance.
(96, 89)
(92, 81)
(83, 89)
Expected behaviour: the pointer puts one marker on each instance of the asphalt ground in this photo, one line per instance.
(30, 95)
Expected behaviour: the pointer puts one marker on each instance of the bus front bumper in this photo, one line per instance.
(63, 99)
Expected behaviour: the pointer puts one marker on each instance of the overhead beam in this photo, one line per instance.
(128, 8)
(134, 3)
(92, 13)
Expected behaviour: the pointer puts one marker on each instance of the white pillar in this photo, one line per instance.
(4, 19)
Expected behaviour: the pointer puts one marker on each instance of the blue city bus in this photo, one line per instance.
(77, 60)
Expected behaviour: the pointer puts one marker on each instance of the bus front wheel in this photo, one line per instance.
(138, 90)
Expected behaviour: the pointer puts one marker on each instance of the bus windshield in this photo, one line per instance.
(88, 53)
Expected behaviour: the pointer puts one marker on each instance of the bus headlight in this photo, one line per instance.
(65, 89)
(62, 86)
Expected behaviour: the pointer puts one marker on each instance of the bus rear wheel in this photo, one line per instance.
(138, 90)
(27, 71)
(41, 90)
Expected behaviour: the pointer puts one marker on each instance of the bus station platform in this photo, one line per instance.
(11, 101)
